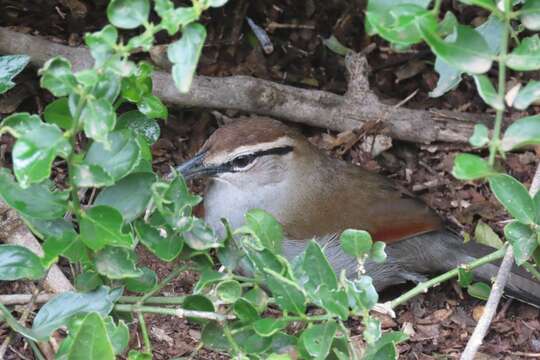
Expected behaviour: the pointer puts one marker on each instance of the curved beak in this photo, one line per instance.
(195, 167)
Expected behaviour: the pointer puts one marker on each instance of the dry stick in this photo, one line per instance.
(317, 108)
(497, 290)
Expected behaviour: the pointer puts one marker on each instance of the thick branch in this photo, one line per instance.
(312, 107)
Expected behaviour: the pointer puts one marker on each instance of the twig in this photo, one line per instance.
(179, 312)
(17, 299)
(424, 286)
(312, 107)
(497, 290)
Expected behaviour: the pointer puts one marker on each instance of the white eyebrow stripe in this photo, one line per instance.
(223, 157)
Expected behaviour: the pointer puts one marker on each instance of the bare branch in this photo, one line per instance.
(312, 107)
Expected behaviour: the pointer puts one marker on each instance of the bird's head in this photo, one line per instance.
(254, 151)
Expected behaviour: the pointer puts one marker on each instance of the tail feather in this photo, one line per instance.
(521, 285)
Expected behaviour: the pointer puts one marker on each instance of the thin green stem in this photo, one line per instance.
(501, 89)
(144, 331)
(532, 270)
(36, 350)
(159, 300)
(437, 7)
(173, 274)
(231, 340)
(75, 201)
(423, 287)
(179, 312)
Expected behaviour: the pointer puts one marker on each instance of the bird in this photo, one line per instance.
(261, 163)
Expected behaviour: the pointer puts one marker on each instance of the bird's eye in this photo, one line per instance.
(242, 161)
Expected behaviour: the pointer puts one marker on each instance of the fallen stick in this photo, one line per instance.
(356, 108)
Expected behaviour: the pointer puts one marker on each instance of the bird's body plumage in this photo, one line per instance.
(315, 196)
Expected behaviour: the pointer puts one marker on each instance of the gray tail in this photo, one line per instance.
(521, 285)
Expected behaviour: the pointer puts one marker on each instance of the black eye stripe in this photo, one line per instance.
(244, 160)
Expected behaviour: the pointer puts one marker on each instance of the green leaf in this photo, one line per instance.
(130, 196)
(35, 151)
(101, 44)
(526, 56)
(526, 96)
(17, 262)
(198, 303)
(91, 341)
(117, 263)
(120, 159)
(531, 15)
(5, 316)
(484, 234)
(54, 247)
(258, 298)
(335, 46)
(61, 308)
(465, 49)
(377, 252)
(207, 278)
(146, 282)
(57, 77)
(21, 123)
(266, 228)
(140, 124)
(471, 167)
(362, 294)
(57, 113)
(85, 175)
(99, 118)
(317, 339)
(245, 311)
(480, 136)
(173, 19)
(487, 92)
(356, 242)
(269, 326)
(523, 240)
(139, 84)
(376, 350)
(251, 342)
(213, 337)
(465, 277)
(88, 281)
(185, 53)
(372, 331)
(201, 236)
(118, 334)
(152, 107)
(315, 276)
(288, 296)
(36, 201)
(479, 290)
(137, 355)
(128, 14)
(333, 301)
(449, 76)
(108, 86)
(10, 66)
(101, 225)
(522, 132)
(514, 197)
(162, 242)
(229, 291)
(395, 20)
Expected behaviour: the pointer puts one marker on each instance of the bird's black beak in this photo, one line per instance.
(195, 167)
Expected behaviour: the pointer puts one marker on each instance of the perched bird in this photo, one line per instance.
(262, 163)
